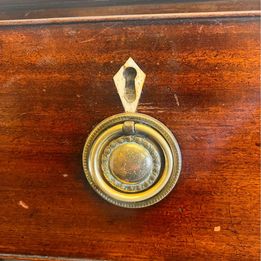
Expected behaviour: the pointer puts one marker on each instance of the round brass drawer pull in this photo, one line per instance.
(132, 160)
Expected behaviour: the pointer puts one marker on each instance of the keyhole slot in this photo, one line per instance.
(130, 74)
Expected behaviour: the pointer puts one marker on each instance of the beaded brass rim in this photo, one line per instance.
(146, 126)
(110, 191)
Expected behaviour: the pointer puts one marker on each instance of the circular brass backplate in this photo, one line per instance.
(132, 169)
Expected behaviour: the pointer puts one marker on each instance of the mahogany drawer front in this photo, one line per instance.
(202, 82)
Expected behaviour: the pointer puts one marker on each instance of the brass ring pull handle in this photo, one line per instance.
(131, 159)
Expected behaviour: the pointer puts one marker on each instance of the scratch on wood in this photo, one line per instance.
(97, 34)
(200, 29)
(23, 205)
(26, 14)
(176, 99)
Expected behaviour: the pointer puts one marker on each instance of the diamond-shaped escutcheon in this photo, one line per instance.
(129, 81)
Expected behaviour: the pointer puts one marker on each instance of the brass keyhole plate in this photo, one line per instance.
(132, 160)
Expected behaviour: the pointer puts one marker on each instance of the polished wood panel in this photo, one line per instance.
(31, 9)
(202, 82)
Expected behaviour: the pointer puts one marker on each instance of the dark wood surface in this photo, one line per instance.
(202, 82)
(30, 9)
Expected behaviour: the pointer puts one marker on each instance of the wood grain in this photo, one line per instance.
(32, 9)
(202, 82)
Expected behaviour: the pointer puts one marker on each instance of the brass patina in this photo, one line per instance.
(132, 160)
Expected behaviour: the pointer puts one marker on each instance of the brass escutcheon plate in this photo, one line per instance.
(134, 168)
(131, 159)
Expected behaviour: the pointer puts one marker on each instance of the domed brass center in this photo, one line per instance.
(131, 162)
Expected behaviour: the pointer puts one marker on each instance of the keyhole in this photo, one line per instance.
(130, 93)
